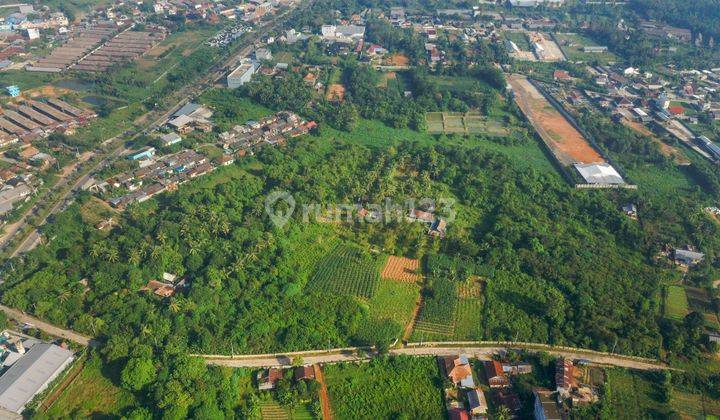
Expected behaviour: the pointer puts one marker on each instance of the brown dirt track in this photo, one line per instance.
(401, 269)
(566, 143)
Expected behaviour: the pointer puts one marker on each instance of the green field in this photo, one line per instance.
(572, 45)
(394, 300)
(469, 319)
(230, 110)
(676, 303)
(464, 123)
(520, 39)
(633, 395)
(346, 270)
(92, 394)
(437, 315)
(387, 388)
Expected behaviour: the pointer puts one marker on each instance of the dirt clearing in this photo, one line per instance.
(566, 143)
(401, 269)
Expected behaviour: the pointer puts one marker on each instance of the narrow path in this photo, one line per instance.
(44, 326)
(324, 399)
(411, 325)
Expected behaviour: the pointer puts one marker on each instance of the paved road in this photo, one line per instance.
(482, 353)
(44, 326)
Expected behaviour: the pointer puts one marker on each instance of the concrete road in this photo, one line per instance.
(44, 326)
(482, 353)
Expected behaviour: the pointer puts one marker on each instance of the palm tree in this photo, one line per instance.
(112, 255)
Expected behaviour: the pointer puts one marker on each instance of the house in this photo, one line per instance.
(145, 153)
(438, 228)
(687, 257)
(457, 413)
(267, 379)
(477, 405)
(458, 370)
(13, 91)
(225, 160)
(545, 406)
(169, 284)
(630, 210)
(561, 75)
(170, 139)
(509, 399)
(422, 216)
(304, 373)
(517, 368)
(676, 110)
(495, 375)
(565, 379)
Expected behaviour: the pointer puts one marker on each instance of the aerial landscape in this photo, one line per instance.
(360, 209)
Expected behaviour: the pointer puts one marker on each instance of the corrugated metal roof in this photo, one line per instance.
(31, 374)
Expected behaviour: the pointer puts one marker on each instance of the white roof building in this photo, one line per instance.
(599, 173)
(31, 374)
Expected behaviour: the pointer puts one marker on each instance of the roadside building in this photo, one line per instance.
(545, 406)
(241, 75)
(477, 404)
(495, 375)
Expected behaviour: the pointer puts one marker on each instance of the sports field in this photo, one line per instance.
(464, 123)
(567, 143)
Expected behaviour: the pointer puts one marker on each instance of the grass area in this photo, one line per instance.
(230, 109)
(92, 395)
(572, 45)
(464, 123)
(676, 303)
(101, 129)
(347, 270)
(24, 79)
(388, 388)
(394, 300)
(634, 395)
(520, 39)
(655, 180)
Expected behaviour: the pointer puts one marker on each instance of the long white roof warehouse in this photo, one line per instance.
(31, 374)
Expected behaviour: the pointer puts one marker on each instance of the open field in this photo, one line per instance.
(401, 269)
(92, 395)
(676, 303)
(572, 45)
(347, 270)
(437, 315)
(566, 143)
(634, 395)
(698, 300)
(665, 149)
(271, 410)
(691, 406)
(464, 123)
(385, 388)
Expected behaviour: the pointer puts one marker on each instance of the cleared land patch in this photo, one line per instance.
(464, 123)
(567, 143)
(676, 303)
(346, 270)
(401, 269)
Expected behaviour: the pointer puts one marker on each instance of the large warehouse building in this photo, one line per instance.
(31, 374)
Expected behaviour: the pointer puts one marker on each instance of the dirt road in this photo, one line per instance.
(324, 399)
(44, 326)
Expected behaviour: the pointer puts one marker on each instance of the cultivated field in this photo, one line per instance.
(437, 315)
(463, 123)
(394, 300)
(347, 270)
(566, 143)
(401, 269)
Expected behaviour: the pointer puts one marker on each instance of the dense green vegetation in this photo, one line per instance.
(346, 271)
(386, 388)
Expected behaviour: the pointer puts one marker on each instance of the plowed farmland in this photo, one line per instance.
(401, 269)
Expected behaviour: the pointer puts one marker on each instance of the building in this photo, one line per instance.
(536, 3)
(304, 373)
(564, 377)
(13, 91)
(146, 153)
(477, 404)
(267, 379)
(599, 173)
(545, 406)
(170, 139)
(594, 49)
(495, 375)
(458, 370)
(242, 74)
(31, 374)
(686, 257)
